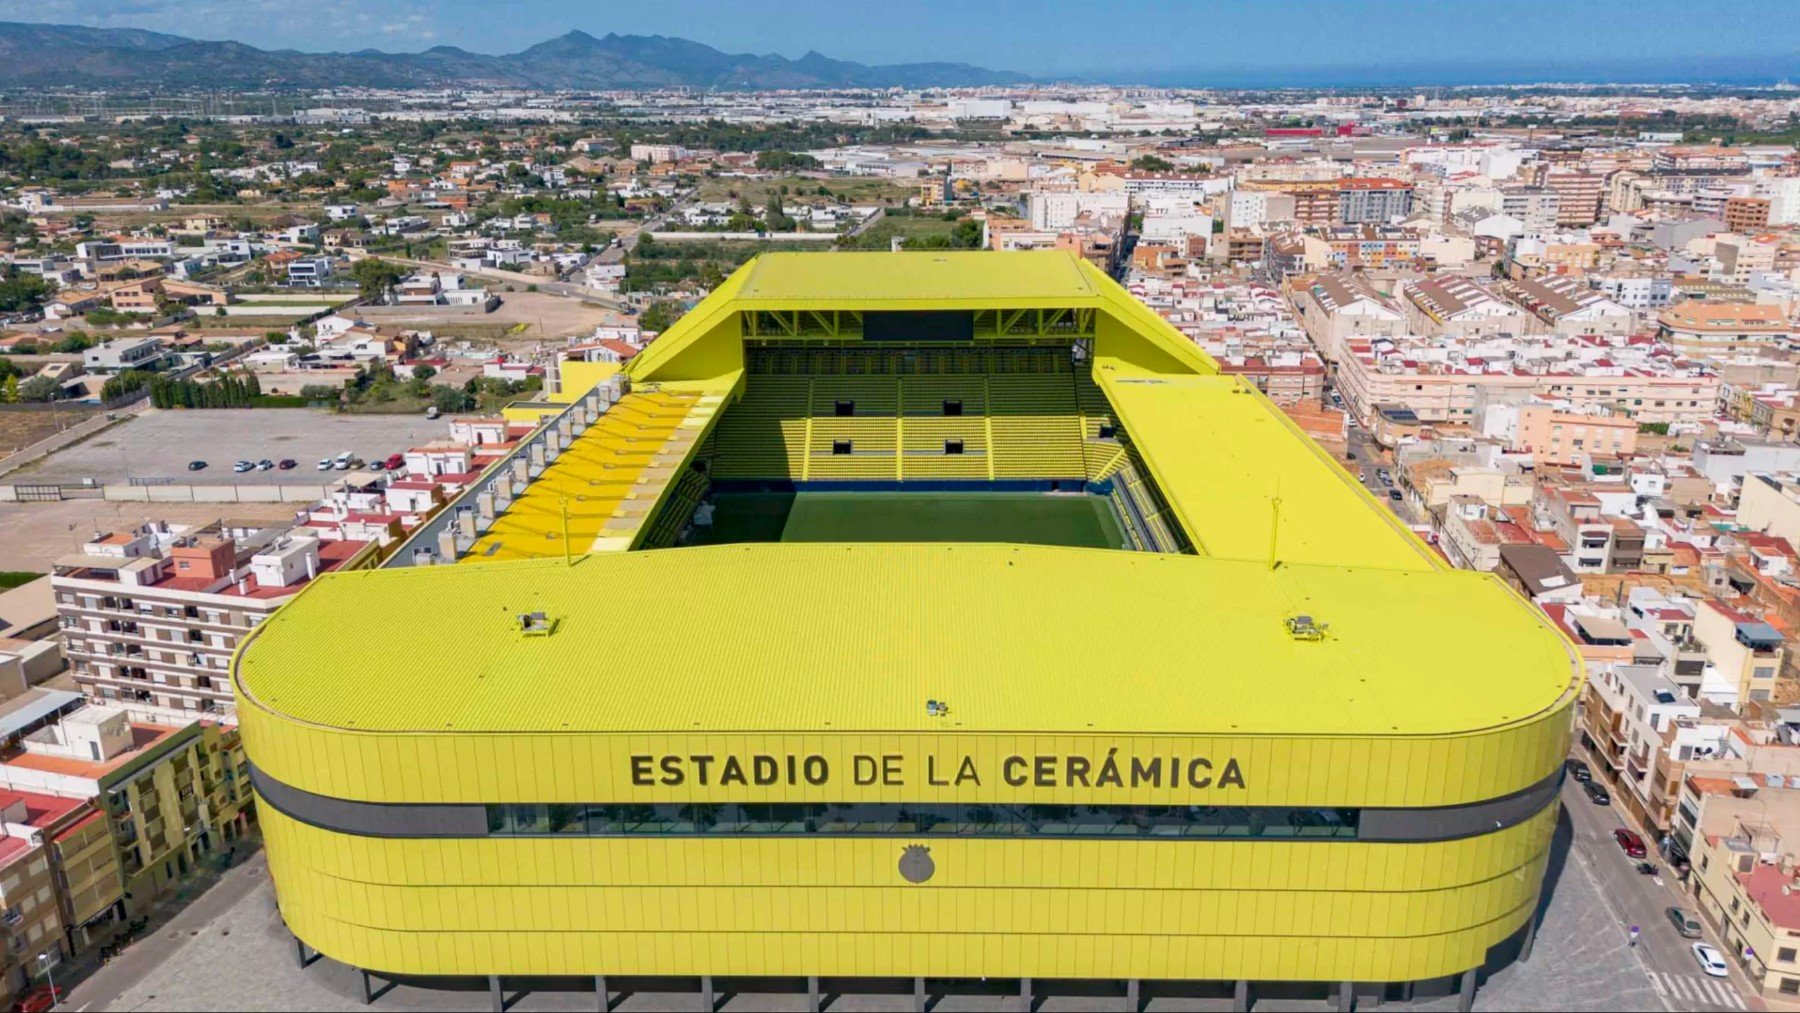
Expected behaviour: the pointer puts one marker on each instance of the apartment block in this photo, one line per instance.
(151, 615)
(169, 790)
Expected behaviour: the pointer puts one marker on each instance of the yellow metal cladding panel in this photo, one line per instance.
(619, 768)
(1182, 909)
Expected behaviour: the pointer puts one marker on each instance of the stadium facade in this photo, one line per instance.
(1263, 736)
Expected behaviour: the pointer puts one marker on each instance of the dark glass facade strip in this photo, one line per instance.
(939, 820)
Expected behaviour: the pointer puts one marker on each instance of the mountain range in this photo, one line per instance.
(54, 56)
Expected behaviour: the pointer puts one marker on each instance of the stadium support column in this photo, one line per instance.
(707, 1003)
(812, 994)
(1240, 997)
(1024, 995)
(368, 990)
(1531, 928)
(602, 1000)
(495, 995)
(1133, 1001)
(918, 995)
(1465, 999)
(1346, 997)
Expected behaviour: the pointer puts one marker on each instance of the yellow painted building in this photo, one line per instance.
(1280, 743)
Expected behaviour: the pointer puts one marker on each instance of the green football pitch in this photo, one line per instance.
(1034, 518)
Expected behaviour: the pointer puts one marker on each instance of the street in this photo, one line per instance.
(1636, 899)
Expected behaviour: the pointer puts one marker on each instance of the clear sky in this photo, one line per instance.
(1153, 41)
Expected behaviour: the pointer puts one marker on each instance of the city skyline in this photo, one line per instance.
(1320, 44)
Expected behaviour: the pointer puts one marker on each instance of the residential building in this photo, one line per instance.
(171, 790)
(1458, 307)
(151, 615)
(1716, 329)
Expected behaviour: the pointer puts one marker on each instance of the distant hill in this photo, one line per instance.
(50, 56)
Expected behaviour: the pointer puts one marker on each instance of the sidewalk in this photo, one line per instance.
(146, 947)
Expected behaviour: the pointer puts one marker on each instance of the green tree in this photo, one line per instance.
(449, 399)
(1152, 163)
(38, 388)
(659, 316)
(21, 292)
(374, 276)
(9, 392)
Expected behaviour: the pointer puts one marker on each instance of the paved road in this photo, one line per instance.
(1635, 899)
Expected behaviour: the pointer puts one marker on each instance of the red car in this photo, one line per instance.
(1629, 842)
(39, 999)
(395, 462)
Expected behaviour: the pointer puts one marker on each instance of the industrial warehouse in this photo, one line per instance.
(913, 622)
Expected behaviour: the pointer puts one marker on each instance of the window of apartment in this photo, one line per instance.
(1785, 954)
(1790, 986)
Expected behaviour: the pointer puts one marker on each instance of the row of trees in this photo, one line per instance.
(233, 390)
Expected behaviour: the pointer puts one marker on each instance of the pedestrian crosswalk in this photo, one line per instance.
(1690, 991)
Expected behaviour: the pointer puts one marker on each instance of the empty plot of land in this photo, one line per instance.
(526, 316)
(159, 444)
(21, 428)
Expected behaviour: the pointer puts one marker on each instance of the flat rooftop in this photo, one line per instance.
(856, 637)
(972, 279)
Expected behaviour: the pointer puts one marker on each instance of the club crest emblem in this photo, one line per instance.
(916, 865)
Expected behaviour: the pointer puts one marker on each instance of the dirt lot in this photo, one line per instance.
(522, 316)
(20, 429)
(33, 535)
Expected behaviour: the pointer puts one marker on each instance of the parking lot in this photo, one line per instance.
(159, 445)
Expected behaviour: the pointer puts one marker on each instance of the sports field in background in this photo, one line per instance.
(1034, 518)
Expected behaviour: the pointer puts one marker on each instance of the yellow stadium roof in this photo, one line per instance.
(1222, 455)
(942, 280)
(858, 637)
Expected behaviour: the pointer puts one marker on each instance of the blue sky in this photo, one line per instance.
(1155, 41)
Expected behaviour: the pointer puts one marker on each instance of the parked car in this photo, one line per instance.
(265, 465)
(377, 465)
(44, 997)
(243, 466)
(432, 412)
(1629, 842)
(1579, 771)
(1349, 455)
(288, 464)
(1685, 922)
(343, 461)
(1596, 794)
(324, 464)
(1711, 963)
(396, 461)
(196, 465)
(1394, 494)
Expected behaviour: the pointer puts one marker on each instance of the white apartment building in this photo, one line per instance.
(151, 615)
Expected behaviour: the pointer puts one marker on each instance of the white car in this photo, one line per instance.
(243, 466)
(324, 464)
(1710, 961)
